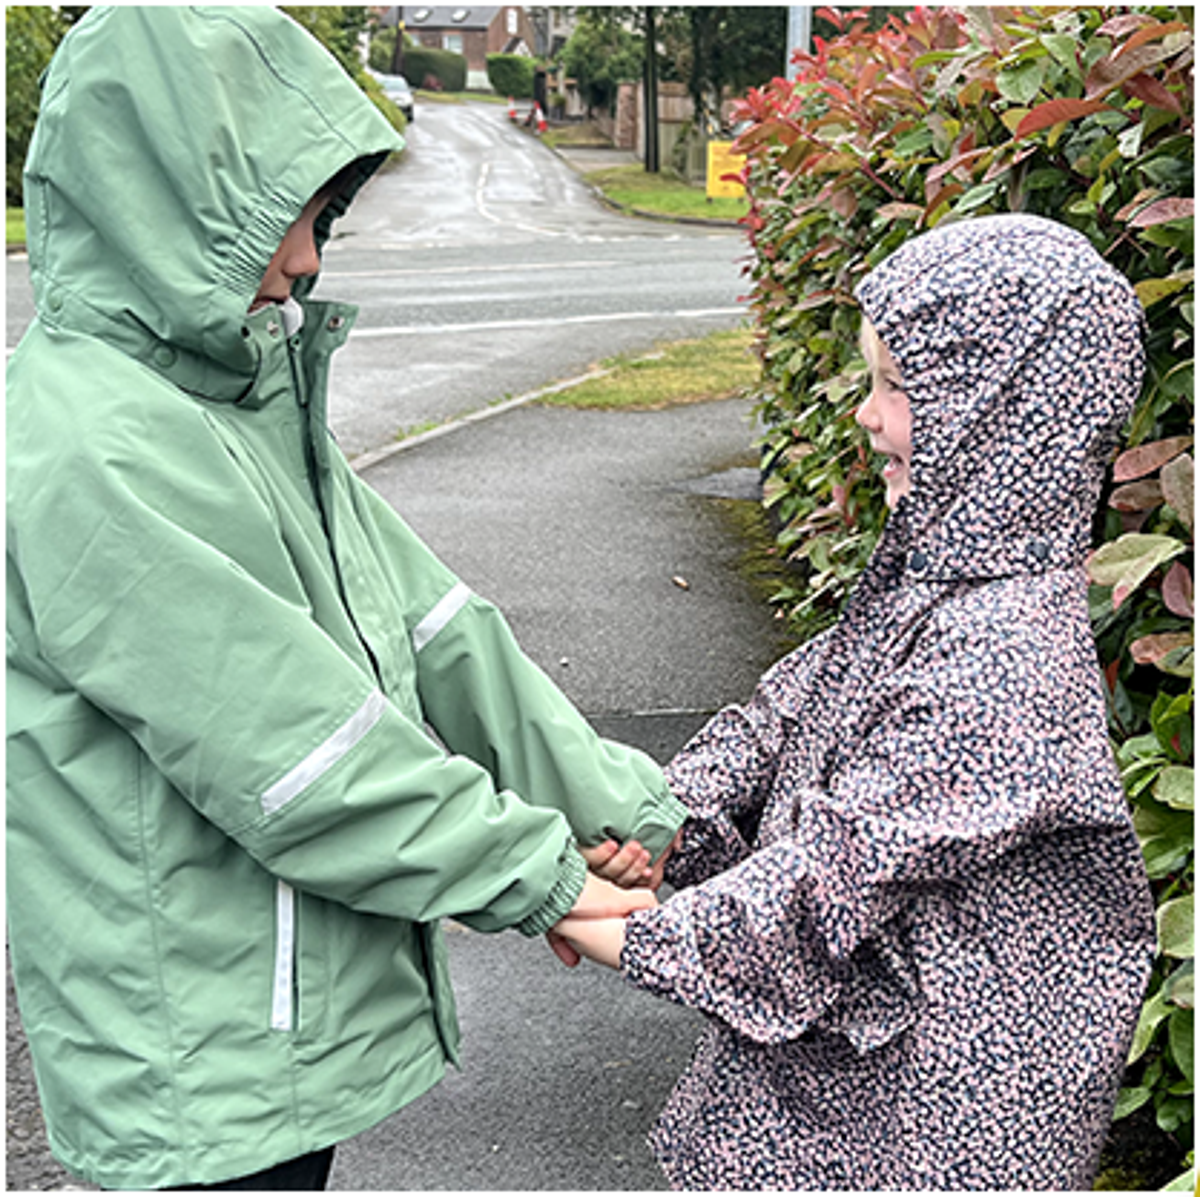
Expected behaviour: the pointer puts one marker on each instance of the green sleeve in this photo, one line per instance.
(488, 701)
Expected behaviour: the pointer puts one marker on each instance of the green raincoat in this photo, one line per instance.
(231, 833)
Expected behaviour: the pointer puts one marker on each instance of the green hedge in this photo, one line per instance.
(1081, 114)
(511, 75)
(435, 70)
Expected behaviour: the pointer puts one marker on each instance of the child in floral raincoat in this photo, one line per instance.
(913, 907)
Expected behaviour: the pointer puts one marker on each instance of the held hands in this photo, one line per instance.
(605, 905)
(595, 927)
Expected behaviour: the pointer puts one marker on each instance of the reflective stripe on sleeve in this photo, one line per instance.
(285, 954)
(444, 610)
(325, 756)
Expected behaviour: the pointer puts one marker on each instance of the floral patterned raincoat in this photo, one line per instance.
(912, 905)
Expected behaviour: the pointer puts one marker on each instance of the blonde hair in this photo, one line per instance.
(873, 348)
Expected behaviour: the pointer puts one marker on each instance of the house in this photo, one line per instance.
(473, 32)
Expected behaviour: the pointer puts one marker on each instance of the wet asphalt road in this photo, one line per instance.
(578, 524)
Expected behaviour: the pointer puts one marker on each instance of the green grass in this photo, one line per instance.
(664, 194)
(582, 134)
(457, 97)
(14, 226)
(718, 366)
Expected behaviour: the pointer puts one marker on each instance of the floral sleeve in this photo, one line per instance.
(975, 760)
(725, 774)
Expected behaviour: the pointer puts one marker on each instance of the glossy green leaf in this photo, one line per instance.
(1176, 927)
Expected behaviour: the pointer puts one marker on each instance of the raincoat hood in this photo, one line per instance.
(1020, 350)
(166, 167)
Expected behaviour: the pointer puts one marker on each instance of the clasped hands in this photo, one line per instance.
(620, 880)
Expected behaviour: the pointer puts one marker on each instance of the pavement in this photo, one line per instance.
(588, 158)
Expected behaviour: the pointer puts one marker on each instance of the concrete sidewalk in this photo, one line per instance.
(609, 540)
(586, 158)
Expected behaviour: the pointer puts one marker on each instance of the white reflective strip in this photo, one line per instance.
(285, 954)
(444, 610)
(324, 757)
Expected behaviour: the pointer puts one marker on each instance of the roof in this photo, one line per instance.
(448, 16)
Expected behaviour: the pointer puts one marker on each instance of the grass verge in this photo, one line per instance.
(664, 194)
(577, 134)
(718, 366)
(14, 226)
(458, 97)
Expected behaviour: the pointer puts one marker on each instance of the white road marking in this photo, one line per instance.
(411, 330)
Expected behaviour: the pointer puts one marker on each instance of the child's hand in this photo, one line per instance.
(629, 865)
(600, 940)
(626, 866)
(598, 901)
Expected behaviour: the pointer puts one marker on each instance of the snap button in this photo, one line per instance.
(164, 356)
(55, 302)
(1040, 550)
(335, 323)
(272, 329)
(918, 561)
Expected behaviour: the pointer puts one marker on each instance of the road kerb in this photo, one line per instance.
(364, 461)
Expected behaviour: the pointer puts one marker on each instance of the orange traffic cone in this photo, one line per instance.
(541, 120)
(512, 110)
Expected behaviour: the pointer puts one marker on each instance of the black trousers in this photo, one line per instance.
(305, 1172)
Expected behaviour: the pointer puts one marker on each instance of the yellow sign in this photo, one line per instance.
(722, 161)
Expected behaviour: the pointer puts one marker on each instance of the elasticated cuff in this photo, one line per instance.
(572, 872)
(671, 811)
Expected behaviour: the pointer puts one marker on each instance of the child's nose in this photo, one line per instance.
(867, 414)
(304, 259)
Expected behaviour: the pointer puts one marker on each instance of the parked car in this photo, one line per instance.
(396, 88)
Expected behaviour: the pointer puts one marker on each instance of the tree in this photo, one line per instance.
(601, 53)
(731, 46)
(708, 47)
(32, 33)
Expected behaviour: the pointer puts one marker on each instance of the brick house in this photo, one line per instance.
(473, 32)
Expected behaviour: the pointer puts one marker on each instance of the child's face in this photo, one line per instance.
(295, 258)
(886, 417)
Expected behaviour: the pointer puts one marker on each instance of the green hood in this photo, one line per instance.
(166, 167)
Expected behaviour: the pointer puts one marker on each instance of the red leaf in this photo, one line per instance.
(1145, 459)
(1110, 675)
(1150, 91)
(1150, 649)
(1111, 72)
(1143, 495)
(1149, 33)
(1054, 112)
(1142, 197)
(1177, 590)
(1123, 24)
(1162, 211)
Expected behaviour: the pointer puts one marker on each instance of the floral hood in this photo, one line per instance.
(1021, 353)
